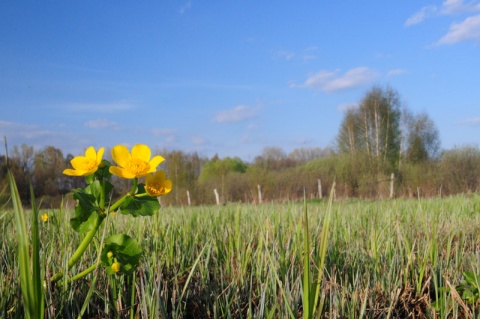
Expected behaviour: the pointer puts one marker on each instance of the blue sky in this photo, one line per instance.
(230, 77)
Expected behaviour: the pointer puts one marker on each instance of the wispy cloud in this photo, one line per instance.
(458, 7)
(187, 6)
(448, 7)
(471, 121)
(395, 72)
(25, 131)
(162, 131)
(236, 114)
(198, 140)
(167, 133)
(423, 14)
(286, 55)
(469, 29)
(38, 136)
(332, 81)
(306, 55)
(98, 107)
(103, 124)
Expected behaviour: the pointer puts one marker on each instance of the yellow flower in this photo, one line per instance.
(45, 218)
(116, 266)
(133, 165)
(157, 184)
(85, 165)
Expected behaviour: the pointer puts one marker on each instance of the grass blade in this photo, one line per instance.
(31, 286)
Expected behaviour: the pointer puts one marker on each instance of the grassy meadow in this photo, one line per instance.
(385, 259)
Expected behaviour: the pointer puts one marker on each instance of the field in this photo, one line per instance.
(385, 259)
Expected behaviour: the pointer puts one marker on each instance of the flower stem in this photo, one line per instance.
(83, 273)
(134, 186)
(118, 203)
(81, 248)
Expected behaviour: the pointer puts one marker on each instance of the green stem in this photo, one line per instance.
(141, 195)
(118, 203)
(102, 194)
(134, 186)
(81, 248)
(84, 273)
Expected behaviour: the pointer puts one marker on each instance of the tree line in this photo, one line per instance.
(378, 138)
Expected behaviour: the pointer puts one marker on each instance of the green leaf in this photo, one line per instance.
(140, 206)
(95, 189)
(86, 205)
(124, 250)
(103, 171)
(470, 278)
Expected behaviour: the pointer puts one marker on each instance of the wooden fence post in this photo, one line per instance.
(392, 178)
(259, 194)
(217, 198)
(320, 195)
(188, 198)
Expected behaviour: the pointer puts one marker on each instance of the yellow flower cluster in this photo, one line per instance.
(136, 164)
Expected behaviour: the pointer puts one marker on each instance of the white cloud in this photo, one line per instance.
(103, 124)
(198, 140)
(471, 121)
(25, 131)
(396, 72)
(449, 7)
(285, 55)
(237, 114)
(307, 55)
(331, 81)
(187, 6)
(469, 29)
(38, 136)
(98, 107)
(171, 139)
(162, 131)
(165, 132)
(421, 15)
(458, 7)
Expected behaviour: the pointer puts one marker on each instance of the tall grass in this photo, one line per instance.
(29, 263)
(384, 259)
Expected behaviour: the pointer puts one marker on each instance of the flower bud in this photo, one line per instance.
(116, 266)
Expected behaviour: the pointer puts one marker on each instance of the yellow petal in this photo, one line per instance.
(121, 155)
(78, 162)
(160, 176)
(167, 185)
(120, 172)
(100, 155)
(154, 163)
(90, 153)
(149, 179)
(73, 172)
(142, 152)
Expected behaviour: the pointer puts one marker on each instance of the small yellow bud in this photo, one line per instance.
(45, 218)
(116, 266)
(109, 254)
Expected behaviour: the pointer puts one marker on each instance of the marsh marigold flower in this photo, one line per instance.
(136, 164)
(85, 165)
(157, 184)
